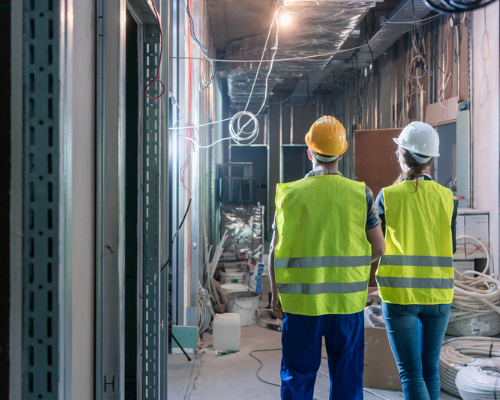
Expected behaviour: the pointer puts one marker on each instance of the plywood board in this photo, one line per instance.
(375, 161)
(436, 113)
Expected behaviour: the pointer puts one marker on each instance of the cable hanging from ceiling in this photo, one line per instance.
(416, 47)
(203, 86)
(244, 125)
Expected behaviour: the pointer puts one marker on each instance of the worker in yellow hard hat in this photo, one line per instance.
(326, 234)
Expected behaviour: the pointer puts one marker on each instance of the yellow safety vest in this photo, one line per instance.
(322, 260)
(417, 267)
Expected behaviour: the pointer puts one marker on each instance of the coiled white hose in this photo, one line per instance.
(475, 383)
(475, 310)
(458, 353)
(238, 130)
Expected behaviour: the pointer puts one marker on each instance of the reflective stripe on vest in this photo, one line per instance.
(417, 267)
(322, 259)
(322, 288)
(418, 261)
(415, 283)
(319, 262)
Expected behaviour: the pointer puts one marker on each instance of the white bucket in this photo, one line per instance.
(232, 276)
(229, 288)
(246, 304)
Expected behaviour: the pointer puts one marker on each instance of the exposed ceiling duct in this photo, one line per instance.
(316, 27)
(397, 23)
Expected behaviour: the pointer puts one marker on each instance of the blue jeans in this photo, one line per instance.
(416, 334)
(301, 340)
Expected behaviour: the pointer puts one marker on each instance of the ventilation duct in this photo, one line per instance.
(316, 27)
(396, 25)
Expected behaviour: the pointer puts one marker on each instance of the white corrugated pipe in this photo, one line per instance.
(475, 308)
(458, 353)
(475, 383)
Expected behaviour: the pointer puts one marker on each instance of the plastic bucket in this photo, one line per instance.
(232, 276)
(229, 288)
(246, 304)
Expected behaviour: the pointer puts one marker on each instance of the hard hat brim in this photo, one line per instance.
(396, 140)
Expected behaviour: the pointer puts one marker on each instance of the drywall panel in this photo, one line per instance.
(83, 200)
(485, 117)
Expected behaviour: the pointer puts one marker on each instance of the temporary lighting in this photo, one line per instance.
(285, 19)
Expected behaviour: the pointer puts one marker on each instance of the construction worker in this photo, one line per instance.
(326, 234)
(415, 276)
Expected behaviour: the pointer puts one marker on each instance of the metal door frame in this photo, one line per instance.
(46, 199)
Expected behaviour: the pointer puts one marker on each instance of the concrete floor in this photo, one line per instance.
(233, 376)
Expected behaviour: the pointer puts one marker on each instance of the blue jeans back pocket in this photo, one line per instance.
(445, 309)
(397, 310)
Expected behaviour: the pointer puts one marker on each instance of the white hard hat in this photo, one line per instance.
(419, 138)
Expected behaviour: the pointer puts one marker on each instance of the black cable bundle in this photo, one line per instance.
(454, 6)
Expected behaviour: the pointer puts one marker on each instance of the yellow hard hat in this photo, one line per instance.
(327, 136)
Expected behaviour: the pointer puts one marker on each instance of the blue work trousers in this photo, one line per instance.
(416, 334)
(301, 340)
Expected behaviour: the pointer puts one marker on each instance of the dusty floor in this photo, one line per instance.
(234, 376)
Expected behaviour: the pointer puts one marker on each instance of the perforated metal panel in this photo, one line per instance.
(151, 132)
(41, 199)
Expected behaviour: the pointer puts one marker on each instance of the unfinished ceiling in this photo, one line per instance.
(240, 29)
(236, 19)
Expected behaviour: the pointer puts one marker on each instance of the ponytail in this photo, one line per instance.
(415, 169)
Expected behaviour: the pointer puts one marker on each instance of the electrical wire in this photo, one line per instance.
(244, 132)
(412, 22)
(202, 86)
(267, 321)
(416, 47)
(458, 353)
(239, 135)
(329, 53)
(261, 365)
(155, 79)
(205, 310)
(485, 79)
(175, 236)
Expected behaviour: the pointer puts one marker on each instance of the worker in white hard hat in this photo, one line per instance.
(326, 234)
(415, 276)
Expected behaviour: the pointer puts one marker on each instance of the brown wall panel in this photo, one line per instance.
(375, 163)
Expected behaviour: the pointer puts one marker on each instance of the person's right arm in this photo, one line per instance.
(275, 301)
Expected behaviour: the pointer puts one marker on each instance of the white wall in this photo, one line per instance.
(485, 118)
(83, 196)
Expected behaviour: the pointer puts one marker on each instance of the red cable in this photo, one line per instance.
(155, 79)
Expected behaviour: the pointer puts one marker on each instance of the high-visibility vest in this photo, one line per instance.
(417, 267)
(322, 259)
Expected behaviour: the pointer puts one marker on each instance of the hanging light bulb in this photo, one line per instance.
(285, 19)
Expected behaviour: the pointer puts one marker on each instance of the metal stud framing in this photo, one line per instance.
(41, 257)
(151, 193)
